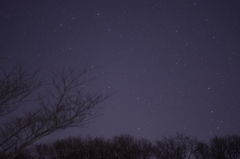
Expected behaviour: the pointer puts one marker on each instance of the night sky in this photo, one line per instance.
(173, 65)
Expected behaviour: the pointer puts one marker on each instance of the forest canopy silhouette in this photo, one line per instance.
(61, 103)
(180, 146)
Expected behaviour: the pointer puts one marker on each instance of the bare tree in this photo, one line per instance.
(202, 151)
(233, 146)
(166, 148)
(16, 86)
(218, 148)
(98, 148)
(124, 146)
(42, 151)
(227, 147)
(62, 105)
(95, 148)
(72, 147)
(145, 149)
(179, 147)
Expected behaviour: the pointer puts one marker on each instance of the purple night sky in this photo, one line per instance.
(174, 65)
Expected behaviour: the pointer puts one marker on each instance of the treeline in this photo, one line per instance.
(127, 147)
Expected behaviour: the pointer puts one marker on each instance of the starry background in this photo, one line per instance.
(174, 65)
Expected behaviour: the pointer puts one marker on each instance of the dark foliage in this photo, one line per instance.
(128, 147)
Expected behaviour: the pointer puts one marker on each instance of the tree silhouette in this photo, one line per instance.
(16, 86)
(42, 151)
(71, 147)
(227, 147)
(233, 146)
(98, 148)
(63, 104)
(145, 149)
(202, 151)
(179, 147)
(126, 146)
